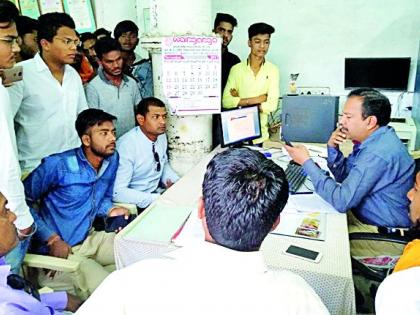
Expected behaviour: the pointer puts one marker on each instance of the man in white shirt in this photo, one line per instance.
(243, 195)
(144, 168)
(10, 183)
(47, 101)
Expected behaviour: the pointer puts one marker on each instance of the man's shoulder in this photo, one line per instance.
(128, 139)
(61, 156)
(232, 57)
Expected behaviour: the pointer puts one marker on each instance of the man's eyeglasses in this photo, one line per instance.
(69, 42)
(18, 283)
(10, 40)
(156, 156)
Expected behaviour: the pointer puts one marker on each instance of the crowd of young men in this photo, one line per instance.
(82, 138)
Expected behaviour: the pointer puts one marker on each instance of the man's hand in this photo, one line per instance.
(25, 232)
(262, 98)
(234, 93)
(119, 211)
(337, 138)
(73, 303)
(58, 247)
(299, 153)
(168, 183)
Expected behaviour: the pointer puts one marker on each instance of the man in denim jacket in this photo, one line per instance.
(73, 188)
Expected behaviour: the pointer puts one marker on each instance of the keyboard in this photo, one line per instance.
(295, 176)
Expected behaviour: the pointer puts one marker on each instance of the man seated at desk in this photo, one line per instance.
(255, 81)
(144, 162)
(243, 195)
(73, 188)
(374, 180)
(17, 295)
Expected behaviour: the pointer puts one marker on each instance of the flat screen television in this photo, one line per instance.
(378, 73)
(240, 126)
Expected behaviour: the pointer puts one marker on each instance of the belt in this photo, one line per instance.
(393, 231)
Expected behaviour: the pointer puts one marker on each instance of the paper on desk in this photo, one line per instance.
(308, 203)
(310, 225)
(191, 232)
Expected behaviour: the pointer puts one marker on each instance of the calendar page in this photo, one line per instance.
(191, 74)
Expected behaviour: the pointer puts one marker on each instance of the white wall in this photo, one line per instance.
(314, 36)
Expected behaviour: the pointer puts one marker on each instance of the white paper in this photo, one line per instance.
(308, 203)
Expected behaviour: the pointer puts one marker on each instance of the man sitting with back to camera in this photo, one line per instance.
(374, 180)
(144, 162)
(73, 188)
(223, 273)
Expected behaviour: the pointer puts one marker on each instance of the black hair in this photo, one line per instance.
(26, 25)
(50, 23)
(243, 195)
(89, 118)
(105, 45)
(102, 32)
(143, 107)
(124, 27)
(8, 12)
(86, 36)
(260, 28)
(374, 104)
(224, 17)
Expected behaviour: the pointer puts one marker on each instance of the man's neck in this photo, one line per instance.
(149, 136)
(224, 49)
(255, 63)
(114, 79)
(56, 68)
(93, 159)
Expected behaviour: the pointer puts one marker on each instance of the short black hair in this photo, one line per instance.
(89, 118)
(143, 106)
(50, 23)
(86, 36)
(374, 104)
(105, 45)
(224, 17)
(26, 25)
(102, 32)
(260, 28)
(8, 12)
(124, 27)
(243, 195)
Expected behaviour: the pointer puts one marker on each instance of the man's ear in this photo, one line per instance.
(140, 119)
(249, 43)
(201, 210)
(45, 44)
(275, 223)
(86, 140)
(373, 121)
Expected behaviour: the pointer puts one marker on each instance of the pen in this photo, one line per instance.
(303, 193)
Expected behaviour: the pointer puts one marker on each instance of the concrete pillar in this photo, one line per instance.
(189, 137)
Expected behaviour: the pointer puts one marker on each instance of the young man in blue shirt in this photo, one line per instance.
(374, 180)
(74, 187)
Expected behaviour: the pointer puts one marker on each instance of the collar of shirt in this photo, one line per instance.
(374, 136)
(144, 138)
(249, 65)
(4, 272)
(81, 155)
(105, 79)
(42, 66)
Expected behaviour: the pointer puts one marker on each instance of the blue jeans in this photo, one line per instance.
(15, 257)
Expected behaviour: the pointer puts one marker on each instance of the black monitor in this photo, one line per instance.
(378, 73)
(240, 125)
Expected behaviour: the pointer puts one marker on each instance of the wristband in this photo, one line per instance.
(23, 236)
(53, 240)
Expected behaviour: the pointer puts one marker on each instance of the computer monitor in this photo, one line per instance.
(378, 73)
(240, 125)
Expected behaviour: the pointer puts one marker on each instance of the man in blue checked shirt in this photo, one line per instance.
(374, 180)
(73, 188)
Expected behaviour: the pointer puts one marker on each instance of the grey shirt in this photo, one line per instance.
(118, 101)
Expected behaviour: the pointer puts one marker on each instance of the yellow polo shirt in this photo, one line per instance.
(267, 81)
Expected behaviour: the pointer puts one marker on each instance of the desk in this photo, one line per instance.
(331, 278)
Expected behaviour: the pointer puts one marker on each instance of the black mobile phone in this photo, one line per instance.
(287, 141)
(114, 223)
(303, 253)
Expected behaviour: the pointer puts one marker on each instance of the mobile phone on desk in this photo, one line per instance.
(112, 224)
(303, 253)
(12, 75)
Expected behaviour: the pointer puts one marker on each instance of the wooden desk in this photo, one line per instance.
(331, 278)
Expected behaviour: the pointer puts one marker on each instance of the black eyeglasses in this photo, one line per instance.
(17, 282)
(156, 156)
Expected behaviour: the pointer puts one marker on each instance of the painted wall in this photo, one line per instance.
(313, 37)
